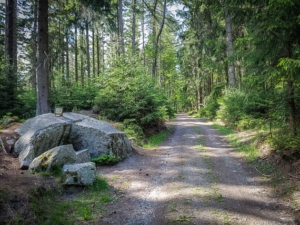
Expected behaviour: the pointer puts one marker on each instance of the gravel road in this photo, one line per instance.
(193, 177)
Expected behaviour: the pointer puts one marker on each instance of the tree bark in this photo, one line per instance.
(34, 47)
(154, 38)
(154, 66)
(67, 58)
(133, 25)
(11, 50)
(231, 72)
(93, 51)
(76, 54)
(121, 29)
(98, 54)
(88, 64)
(81, 59)
(43, 70)
(143, 36)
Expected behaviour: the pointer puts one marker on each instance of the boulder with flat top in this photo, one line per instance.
(47, 131)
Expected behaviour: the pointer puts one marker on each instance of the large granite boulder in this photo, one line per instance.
(39, 135)
(56, 157)
(79, 174)
(99, 138)
(46, 131)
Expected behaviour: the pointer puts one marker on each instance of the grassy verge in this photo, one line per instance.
(248, 151)
(49, 207)
(269, 171)
(156, 139)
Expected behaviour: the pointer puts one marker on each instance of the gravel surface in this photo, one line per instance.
(193, 177)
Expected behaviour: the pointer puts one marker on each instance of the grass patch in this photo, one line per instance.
(249, 152)
(49, 207)
(106, 160)
(183, 218)
(223, 130)
(156, 139)
(273, 176)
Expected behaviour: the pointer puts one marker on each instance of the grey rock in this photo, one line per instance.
(36, 142)
(46, 131)
(8, 121)
(83, 156)
(55, 157)
(38, 123)
(79, 174)
(10, 141)
(100, 138)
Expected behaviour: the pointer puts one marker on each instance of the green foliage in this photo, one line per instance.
(232, 106)
(248, 122)
(134, 98)
(106, 160)
(223, 130)
(156, 139)
(48, 208)
(100, 184)
(211, 102)
(210, 109)
(286, 142)
(237, 105)
(26, 108)
(132, 129)
(74, 97)
(55, 171)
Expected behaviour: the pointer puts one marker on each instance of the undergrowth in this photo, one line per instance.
(106, 160)
(49, 207)
(268, 170)
(156, 139)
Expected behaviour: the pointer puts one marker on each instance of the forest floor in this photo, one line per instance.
(193, 177)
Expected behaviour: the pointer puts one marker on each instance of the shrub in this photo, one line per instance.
(211, 102)
(106, 160)
(232, 106)
(249, 122)
(210, 109)
(134, 98)
(286, 142)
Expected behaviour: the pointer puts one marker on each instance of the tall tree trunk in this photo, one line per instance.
(88, 64)
(121, 29)
(154, 38)
(81, 59)
(292, 106)
(154, 66)
(291, 99)
(98, 54)
(229, 38)
(67, 58)
(34, 47)
(43, 70)
(76, 54)
(93, 51)
(103, 49)
(11, 51)
(133, 25)
(143, 35)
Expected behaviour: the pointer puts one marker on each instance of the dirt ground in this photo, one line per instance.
(193, 177)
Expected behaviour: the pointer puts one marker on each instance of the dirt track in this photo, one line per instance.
(194, 177)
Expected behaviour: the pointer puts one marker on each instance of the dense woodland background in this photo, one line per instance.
(140, 61)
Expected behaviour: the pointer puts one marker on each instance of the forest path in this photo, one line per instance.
(193, 177)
